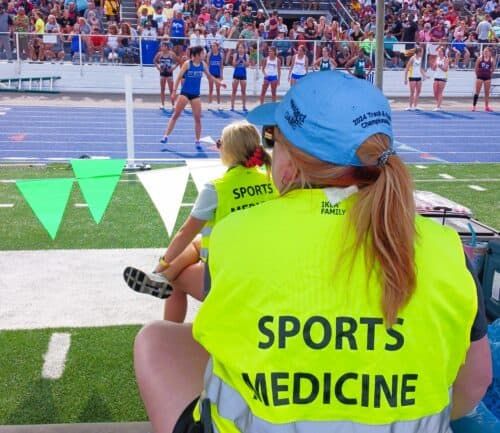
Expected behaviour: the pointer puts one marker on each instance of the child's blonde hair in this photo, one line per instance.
(241, 146)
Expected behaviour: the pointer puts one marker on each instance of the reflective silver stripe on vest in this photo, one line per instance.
(230, 405)
(206, 230)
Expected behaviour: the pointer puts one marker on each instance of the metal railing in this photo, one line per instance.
(140, 50)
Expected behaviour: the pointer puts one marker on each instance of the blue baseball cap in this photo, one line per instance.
(328, 115)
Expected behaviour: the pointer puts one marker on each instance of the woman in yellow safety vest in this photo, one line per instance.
(334, 308)
(244, 185)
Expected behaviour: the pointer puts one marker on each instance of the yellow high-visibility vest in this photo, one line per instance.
(238, 189)
(295, 330)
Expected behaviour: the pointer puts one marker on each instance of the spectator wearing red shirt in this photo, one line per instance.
(96, 43)
(204, 15)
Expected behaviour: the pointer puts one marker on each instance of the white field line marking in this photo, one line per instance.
(421, 166)
(187, 204)
(6, 205)
(445, 176)
(415, 180)
(477, 188)
(19, 158)
(55, 358)
(81, 205)
(458, 180)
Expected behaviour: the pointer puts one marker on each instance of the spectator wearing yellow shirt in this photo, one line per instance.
(168, 11)
(39, 24)
(146, 4)
(111, 10)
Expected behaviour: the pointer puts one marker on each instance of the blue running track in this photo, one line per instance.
(58, 133)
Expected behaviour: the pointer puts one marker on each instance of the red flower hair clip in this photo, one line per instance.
(256, 159)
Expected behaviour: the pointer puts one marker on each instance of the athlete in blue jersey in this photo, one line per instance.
(241, 61)
(166, 61)
(216, 69)
(192, 72)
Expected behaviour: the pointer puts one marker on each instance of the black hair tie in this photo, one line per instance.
(384, 157)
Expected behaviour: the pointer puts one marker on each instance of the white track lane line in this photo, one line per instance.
(445, 176)
(6, 205)
(81, 205)
(423, 167)
(55, 358)
(476, 187)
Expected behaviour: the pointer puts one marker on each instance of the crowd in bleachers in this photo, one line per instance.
(92, 29)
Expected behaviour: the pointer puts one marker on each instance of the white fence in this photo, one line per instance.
(81, 73)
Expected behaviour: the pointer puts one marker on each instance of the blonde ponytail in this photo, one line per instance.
(383, 216)
(385, 212)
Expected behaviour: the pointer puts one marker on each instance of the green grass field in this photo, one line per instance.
(98, 383)
(132, 210)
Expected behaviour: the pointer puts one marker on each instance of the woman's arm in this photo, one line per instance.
(445, 66)
(279, 70)
(211, 77)
(473, 379)
(179, 77)
(191, 227)
(156, 60)
(407, 69)
(263, 67)
(291, 67)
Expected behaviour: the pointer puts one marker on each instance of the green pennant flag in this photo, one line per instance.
(48, 199)
(97, 179)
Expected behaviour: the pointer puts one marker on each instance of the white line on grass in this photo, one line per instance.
(477, 188)
(421, 166)
(459, 180)
(81, 205)
(55, 358)
(6, 205)
(445, 176)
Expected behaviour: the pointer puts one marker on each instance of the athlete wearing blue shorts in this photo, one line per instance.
(271, 68)
(216, 69)
(240, 64)
(192, 71)
(299, 67)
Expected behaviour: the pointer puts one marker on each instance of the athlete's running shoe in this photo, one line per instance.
(198, 145)
(164, 140)
(149, 283)
(409, 109)
(473, 108)
(488, 109)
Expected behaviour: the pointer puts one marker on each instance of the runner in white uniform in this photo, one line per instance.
(440, 68)
(271, 68)
(300, 65)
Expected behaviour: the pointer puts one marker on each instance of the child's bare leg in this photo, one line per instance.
(189, 282)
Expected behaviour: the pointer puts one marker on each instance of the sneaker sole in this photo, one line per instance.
(139, 281)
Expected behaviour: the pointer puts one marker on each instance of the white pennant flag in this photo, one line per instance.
(166, 189)
(205, 170)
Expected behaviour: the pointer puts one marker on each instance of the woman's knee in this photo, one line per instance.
(147, 338)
